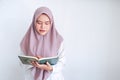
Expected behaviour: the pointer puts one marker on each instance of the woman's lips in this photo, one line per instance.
(42, 30)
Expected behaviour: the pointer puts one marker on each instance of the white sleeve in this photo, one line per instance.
(26, 70)
(61, 62)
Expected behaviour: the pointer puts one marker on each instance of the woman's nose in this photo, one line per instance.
(42, 26)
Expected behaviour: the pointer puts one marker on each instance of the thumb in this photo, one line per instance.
(48, 63)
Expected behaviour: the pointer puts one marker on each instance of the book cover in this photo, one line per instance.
(29, 59)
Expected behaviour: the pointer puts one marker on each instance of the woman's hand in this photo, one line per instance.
(46, 66)
(39, 57)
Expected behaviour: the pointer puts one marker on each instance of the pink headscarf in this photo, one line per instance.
(34, 44)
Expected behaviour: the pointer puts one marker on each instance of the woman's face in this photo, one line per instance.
(43, 24)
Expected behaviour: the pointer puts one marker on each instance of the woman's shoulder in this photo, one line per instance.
(62, 44)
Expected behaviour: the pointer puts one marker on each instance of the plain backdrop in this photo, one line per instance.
(91, 30)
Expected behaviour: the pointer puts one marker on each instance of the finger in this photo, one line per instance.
(34, 63)
(39, 57)
(48, 63)
(49, 66)
(37, 63)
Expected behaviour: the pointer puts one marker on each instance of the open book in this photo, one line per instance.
(29, 59)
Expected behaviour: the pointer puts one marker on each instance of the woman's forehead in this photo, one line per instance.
(43, 17)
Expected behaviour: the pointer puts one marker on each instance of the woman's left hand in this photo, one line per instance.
(46, 66)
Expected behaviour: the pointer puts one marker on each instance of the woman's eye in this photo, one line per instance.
(47, 23)
(39, 22)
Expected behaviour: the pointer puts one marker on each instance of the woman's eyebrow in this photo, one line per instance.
(39, 20)
(42, 21)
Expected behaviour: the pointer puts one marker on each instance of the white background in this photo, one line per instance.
(91, 30)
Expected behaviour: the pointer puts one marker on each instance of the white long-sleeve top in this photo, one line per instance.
(57, 68)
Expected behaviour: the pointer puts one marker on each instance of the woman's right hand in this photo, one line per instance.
(46, 66)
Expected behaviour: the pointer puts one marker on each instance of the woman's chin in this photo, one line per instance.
(42, 33)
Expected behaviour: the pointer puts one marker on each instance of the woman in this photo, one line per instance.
(43, 40)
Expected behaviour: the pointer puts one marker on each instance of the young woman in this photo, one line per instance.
(43, 40)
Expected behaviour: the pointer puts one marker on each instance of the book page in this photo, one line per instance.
(27, 59)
